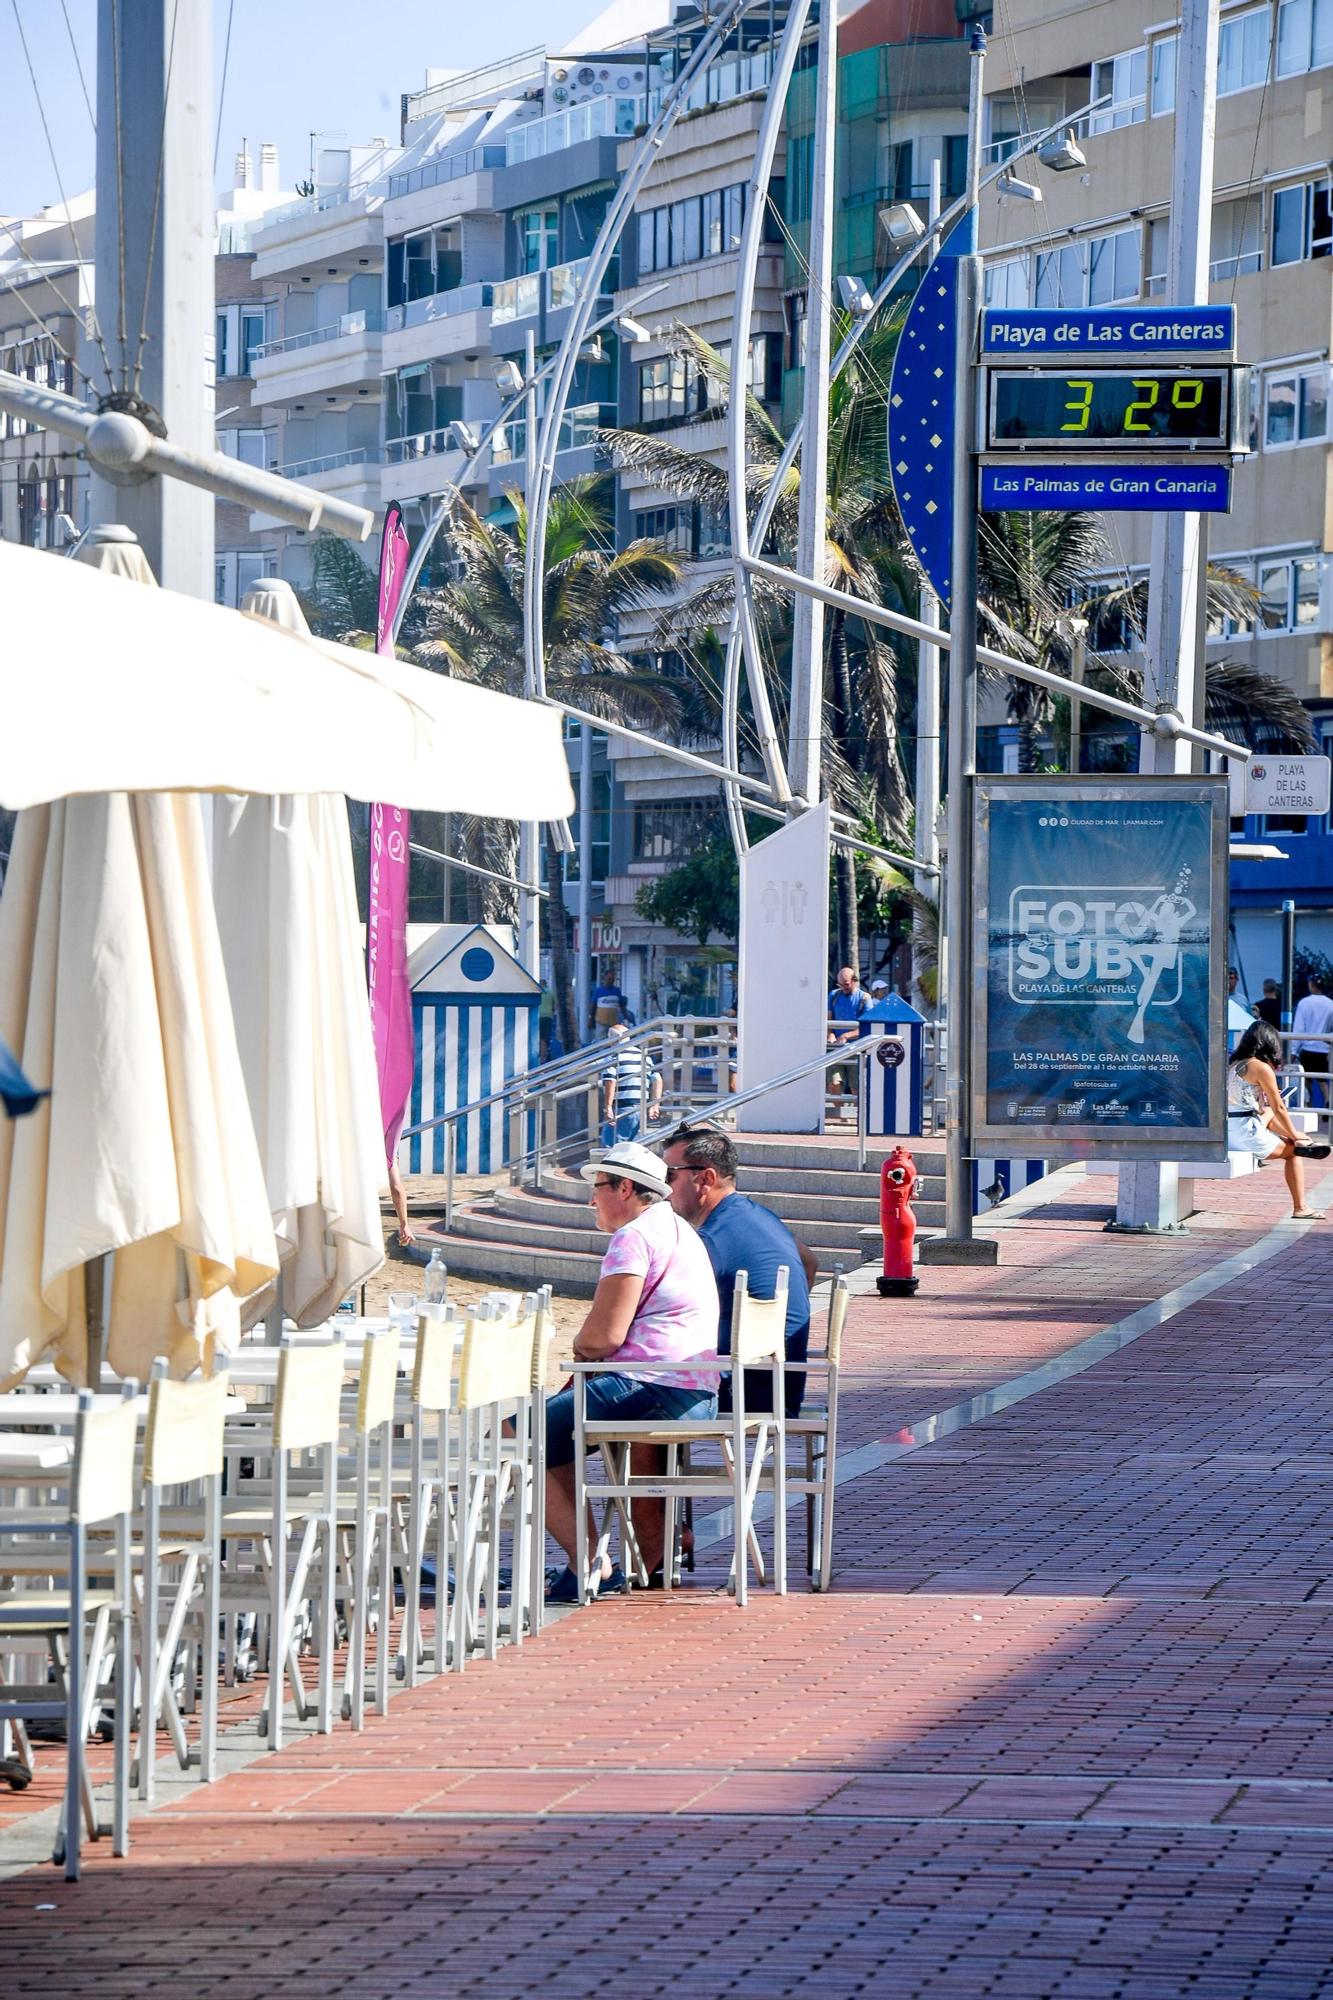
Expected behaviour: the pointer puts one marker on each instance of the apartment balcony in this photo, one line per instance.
(454, 184)
(424, 464)
(516, 298)
(445, 323)
(598, 118)
(342, 227)
(577, 449)
(353, 476)
(344, 356)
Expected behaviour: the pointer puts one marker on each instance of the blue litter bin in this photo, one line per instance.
(893, 1079)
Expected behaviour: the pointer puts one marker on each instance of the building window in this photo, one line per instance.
(250, 444)
(1304, 35)
(671, 527)
(1302, 222)
(600, 830)
(1243, 44)
(1163, 56)
(713, 532)
(1289, 593)
(796, 307)
(674, 829)
(671, 389)
(1009, 282)
(1296, 408)
(1237, 239)
(237, 571)
(1124, 80)
(684, 231)
(240, 330)
(538, 239)
(1094, 272)
(1156, 256)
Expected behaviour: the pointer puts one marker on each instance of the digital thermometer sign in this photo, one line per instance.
(1177, 409)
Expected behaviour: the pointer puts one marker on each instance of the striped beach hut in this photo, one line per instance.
(474, 1020)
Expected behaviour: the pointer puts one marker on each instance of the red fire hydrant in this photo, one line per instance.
(897, 1182)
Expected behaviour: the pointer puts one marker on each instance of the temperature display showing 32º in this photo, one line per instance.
(1178, 409)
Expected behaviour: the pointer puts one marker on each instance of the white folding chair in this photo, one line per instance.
(431, 1498)
(372, 1526)
(816, 1430)
(748, 1441)
(494, 1381)
(182, 1447)
(101, 1489)
(542, 1331)
(304, 1418)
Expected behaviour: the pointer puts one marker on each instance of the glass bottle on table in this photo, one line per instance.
(435, 1285)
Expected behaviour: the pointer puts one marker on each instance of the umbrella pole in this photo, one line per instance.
(97, 1309)
(273, 1317)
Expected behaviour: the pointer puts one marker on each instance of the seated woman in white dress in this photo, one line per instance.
(1257, 1120)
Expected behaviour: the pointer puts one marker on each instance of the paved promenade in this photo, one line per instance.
(1064, 1727)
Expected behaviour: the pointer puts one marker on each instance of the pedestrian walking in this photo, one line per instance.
(631, 1088)
(1313, 1017)
(1257, 1120)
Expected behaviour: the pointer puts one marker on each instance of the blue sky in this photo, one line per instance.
(294, 65)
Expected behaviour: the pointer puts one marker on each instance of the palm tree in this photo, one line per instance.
(474, 630)
(866, 557)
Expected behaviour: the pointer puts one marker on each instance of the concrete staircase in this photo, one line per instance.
(524, 1237)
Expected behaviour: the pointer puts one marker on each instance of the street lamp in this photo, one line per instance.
(1009, 184)
(632, 329)
(1062, 155)
(854, 297)
(508, 377)
(901, 224)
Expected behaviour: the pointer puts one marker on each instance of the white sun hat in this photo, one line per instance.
(628, 1161)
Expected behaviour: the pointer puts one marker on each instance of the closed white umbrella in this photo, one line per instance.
(286, 905)
(113, 992)
(151, 691)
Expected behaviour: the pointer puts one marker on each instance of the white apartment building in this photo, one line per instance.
(46, 295)
(319, 264)
(1100, 237)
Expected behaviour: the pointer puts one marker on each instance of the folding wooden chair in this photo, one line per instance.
(101, 1489)
(758, 1339)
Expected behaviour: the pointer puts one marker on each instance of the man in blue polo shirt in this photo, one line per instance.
(739, 1235)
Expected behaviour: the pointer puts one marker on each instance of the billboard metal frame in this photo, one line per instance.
(1072, 1140)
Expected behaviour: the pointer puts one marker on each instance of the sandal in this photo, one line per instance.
(1312, 1149)
(1307, 1215)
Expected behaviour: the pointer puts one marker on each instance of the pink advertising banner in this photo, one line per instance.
(386, 928)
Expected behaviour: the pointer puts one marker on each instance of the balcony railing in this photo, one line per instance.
(600, 117)
(732, 76)
(315, 204)
(371, 320)
(516, 298)
(332, 461)
(438, 305)
(423, 444)
(484, 85)
(578, 429)
(449, 167)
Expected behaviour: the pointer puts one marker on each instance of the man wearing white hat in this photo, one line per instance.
(656, 1300)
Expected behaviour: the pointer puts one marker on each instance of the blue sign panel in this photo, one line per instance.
(921, 420)
(1100, 932)
(1049, 333)
(1106, 489)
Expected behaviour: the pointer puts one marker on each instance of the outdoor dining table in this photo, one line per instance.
(56, 1411)
(21, 1456)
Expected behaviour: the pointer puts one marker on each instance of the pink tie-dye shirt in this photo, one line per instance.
(677, 1314)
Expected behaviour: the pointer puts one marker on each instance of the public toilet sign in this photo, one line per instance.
(1294, 785)
(1051, 334)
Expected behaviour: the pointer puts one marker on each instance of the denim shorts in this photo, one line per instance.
(613, 1397)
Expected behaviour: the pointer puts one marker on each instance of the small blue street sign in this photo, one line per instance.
(1049, 333)
(1139, 489)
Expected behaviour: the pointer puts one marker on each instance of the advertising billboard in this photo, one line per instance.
(1101, 929)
